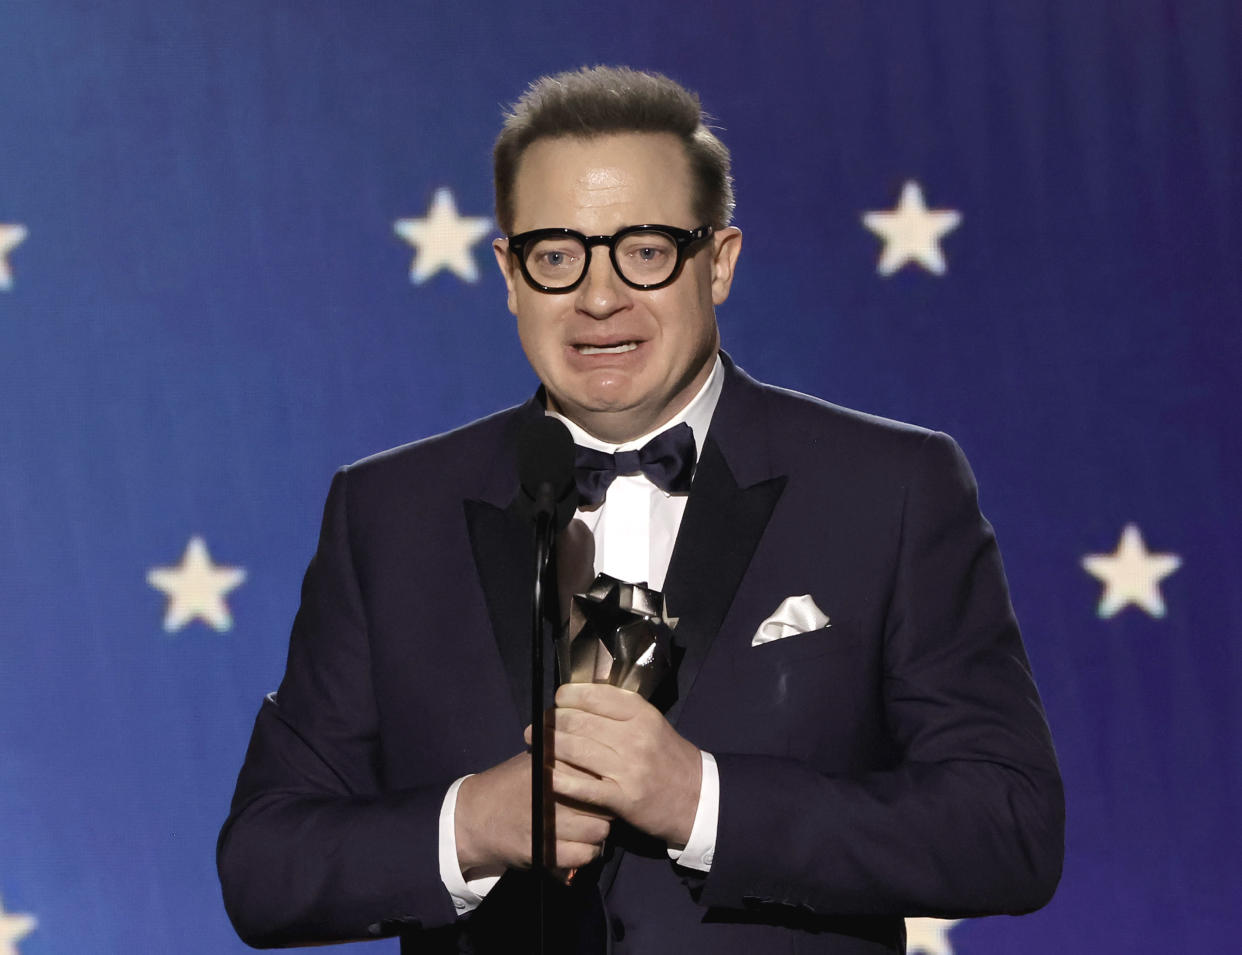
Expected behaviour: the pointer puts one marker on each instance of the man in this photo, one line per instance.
(854, 734)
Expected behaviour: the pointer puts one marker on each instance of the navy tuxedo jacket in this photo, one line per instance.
(894, 763)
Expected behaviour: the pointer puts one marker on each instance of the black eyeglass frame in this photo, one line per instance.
(683, 238)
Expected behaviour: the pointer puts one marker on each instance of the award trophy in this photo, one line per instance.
(618, 633)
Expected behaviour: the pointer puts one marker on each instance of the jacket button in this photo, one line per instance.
(618, 929)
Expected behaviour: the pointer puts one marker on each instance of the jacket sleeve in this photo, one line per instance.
(315, 848)
(969, 817)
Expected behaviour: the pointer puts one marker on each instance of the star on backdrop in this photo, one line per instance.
(912, 232)
(1131, 574)
(196, 588)
(11, 236)
(442, 239)
(929, 936)
(14, 928)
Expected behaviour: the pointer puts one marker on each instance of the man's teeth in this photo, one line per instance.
(606, 350)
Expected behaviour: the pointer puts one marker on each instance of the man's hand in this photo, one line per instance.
(617, 752)
(492, 824)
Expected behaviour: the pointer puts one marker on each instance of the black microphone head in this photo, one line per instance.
(545, 460)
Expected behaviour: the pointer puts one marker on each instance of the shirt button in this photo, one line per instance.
(459, 904)
(708, 856)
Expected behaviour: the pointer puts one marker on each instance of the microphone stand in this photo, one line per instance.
(545, 459)
(545, 550)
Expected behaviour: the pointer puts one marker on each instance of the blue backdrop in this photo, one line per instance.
(1020, 223)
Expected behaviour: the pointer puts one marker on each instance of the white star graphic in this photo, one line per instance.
(443, 239)
(11, 236)
(912, 232)
(196, 588)
(929, 936)
(14, 928)
(1131, 575)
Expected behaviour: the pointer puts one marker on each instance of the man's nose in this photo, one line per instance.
(602, 292)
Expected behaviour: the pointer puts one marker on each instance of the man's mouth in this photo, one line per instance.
(618, 349)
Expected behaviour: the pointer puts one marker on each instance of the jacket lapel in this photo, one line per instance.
(503, 544)
(731, 500)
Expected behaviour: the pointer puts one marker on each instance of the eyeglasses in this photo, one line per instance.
(645, 256)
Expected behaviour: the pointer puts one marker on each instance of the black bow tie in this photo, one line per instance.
(667, 460)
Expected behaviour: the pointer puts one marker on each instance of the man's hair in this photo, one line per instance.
(597, 101)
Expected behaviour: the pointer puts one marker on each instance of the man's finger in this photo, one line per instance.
(573, 855)
(580, 827)
(603, 793)
(603, 729)
(585, 753)
(566, 805)
(599, 698)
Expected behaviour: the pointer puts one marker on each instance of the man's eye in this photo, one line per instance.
(553, 258)
(648, 254)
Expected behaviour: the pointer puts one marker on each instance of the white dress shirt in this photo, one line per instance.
(633, 532)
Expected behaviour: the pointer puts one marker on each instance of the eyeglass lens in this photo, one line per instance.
(644, 258)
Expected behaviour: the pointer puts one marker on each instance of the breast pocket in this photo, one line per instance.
(800, 646)
(793, 695)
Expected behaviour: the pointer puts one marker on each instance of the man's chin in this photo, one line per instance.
(612, 397)
(614, 420)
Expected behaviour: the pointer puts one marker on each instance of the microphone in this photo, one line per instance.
(545, 460)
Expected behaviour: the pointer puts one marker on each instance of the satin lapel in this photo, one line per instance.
(503, 553)
(503, 544)
(718, 536)
(731, 500)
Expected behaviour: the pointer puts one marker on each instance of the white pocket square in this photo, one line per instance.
(794, 615)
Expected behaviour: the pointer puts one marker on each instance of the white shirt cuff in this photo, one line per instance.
(466, 895)
(701, 846)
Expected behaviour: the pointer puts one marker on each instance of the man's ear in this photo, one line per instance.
(727, 244)
(508, 268)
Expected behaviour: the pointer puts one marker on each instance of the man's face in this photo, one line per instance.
(618, 361)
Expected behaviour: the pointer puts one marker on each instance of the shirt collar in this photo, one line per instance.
(698, 414)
